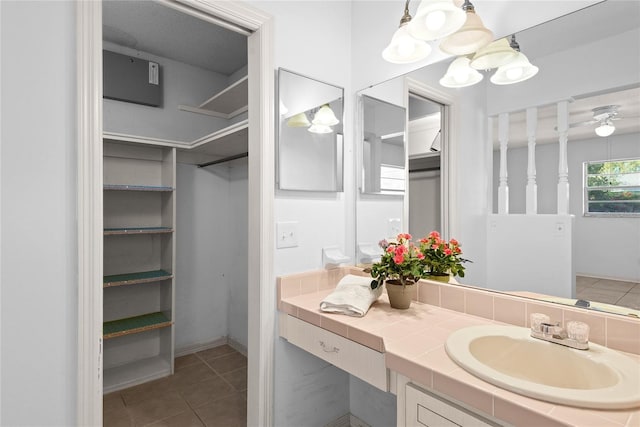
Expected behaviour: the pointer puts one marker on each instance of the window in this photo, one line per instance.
(612, 188)
(391, 178)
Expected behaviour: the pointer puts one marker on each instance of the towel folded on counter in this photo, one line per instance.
(353, 296)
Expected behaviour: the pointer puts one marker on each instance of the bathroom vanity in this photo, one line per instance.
(403, 351)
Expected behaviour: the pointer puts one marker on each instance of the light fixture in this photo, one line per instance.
(318, 128)
(605, 129)
(494, 55)
(299, 120)
(436, 19)
(460, 74)
(472, 36)
(404, 48)
(518, 70)
(325, 116)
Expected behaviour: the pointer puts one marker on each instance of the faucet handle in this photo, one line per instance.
(578, 331)
(537, 319)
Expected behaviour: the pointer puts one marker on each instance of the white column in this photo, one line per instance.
(503, 187)
(532, 187)
(563, 167)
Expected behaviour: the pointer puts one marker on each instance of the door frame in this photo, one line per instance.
(261, 281)
(448, 160)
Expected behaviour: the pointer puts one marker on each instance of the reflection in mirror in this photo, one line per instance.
(383, 147)
(605, 274)
(425, 145)
(310, 134)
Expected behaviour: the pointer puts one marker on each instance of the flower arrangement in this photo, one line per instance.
(442, 257)
(402, 260)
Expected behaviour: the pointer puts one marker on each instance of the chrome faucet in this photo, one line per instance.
(576, 335)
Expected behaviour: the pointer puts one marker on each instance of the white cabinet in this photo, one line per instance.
(348, 355)
(139, 246)
(425, 409)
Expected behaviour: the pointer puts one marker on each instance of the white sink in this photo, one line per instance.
(508, 357)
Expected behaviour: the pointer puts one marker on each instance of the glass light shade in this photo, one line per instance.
(518, 70)
(404, 48)
(605, 129)
(325, 117)
(494, 55)
(315, 128)
(436, 19)
(298, 121)
(472, 36)
(460, 74)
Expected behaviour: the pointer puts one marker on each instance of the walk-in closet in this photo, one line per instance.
(175, 217)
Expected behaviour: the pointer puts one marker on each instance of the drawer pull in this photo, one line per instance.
(328, 350)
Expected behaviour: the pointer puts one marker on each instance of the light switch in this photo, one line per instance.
(287, 234)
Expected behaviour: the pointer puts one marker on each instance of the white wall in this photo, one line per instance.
(38, 255)
(312, 38)
(589, 257)
(237, 278)
(203, 220)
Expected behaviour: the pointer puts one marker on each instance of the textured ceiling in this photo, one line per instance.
(150, 27)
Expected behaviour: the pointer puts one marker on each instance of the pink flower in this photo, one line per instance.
(454, 242)
(398, 259)
(389, 249)
(436, 246)
(434, 234)
(447, 251)
(420, 255)
(458, 250)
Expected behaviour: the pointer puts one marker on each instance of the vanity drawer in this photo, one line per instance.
(357, 359)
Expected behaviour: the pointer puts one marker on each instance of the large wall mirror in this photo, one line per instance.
(310, 134)
(592, 67)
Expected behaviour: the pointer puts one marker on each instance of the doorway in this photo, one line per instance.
(260, 199)
(425, 144)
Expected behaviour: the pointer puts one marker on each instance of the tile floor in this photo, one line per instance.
(209, 388)
(624, 294)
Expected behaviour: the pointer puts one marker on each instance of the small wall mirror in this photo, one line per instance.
(310, 134)
(383, 147)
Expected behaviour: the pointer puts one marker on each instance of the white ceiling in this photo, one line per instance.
(153, 28)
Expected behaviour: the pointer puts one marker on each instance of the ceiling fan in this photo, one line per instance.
(603, 117)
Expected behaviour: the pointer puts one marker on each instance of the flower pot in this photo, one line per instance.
(399, 296)
(439, 277)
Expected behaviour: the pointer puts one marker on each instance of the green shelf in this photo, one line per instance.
(136, 230)
(134, 325)
(135, 278)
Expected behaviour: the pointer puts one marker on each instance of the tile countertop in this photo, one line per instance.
(413, 342)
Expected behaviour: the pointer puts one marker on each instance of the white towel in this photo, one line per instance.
(353, 296)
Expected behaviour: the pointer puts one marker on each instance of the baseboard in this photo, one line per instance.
(356, 422)
(240, 348)
(201, 346)
(343, 421)
(347, 420)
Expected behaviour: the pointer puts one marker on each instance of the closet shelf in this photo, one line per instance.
(124, 187)
(134, 325)
(136, 278)
(227, 104)
(137, 230)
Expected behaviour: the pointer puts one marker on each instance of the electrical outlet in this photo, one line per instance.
(393, 227)
(287, 234)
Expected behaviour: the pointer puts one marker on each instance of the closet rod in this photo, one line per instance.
(226, 159)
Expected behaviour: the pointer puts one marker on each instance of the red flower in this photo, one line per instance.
(434, 234)
(420, 255)
(454, 242)
(447, 251)
(398, 259)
